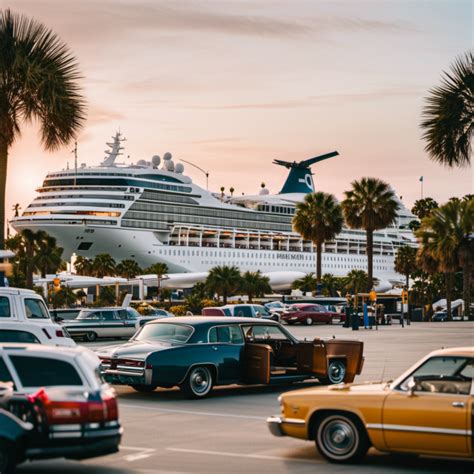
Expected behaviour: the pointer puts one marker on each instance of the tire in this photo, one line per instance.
(144, 388)
(308, 321)
(198, 383)
(336, 373)
(90, 336)
(341, 439)
(7, 457)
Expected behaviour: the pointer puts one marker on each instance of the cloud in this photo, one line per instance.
(311, 101)
(97, 115)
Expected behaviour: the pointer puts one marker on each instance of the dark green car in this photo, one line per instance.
(196, 353)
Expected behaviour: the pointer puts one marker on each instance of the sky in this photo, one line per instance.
(232, 85)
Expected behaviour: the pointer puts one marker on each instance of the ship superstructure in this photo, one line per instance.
(152, 212)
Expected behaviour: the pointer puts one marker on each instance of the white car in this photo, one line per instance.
(24, 317)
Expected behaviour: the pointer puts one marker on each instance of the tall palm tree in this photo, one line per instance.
(319, 219)
(159, 269)
(38, 80)
(48, 254)
(446, 245)
(128, 269)
(369, 205)
(223, 280)
(103, 265)
(254, 284)
(405, 262)
(29, 242)
(448, 116)
(83, 265)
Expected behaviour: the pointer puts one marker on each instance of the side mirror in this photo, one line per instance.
(411, 385)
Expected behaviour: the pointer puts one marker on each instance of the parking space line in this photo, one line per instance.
(142, 453)
(192, 412)
(262, 457)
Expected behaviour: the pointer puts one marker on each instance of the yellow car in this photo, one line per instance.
(428, 410)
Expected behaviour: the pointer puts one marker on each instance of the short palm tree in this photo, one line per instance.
(356, 281)
(254, 284)
(38, 80)
(83, 265)
(128, 268)
(48, 254)
(448, 116)
(224, 281)
(331, 284)
(446, 245)
(306, 284)
(423, 207)
(159, 269)
(319, 219)
(103, 265)
(369, 205)
(405, 262)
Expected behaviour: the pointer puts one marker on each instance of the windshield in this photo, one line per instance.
(262, 310)
(165, 332)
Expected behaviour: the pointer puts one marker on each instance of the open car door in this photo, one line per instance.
(311, 357)
(257, 363)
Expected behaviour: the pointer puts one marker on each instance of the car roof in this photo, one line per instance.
(201, 320)
(18, 291)
(304, 305)
(42, 348)
(455, 351)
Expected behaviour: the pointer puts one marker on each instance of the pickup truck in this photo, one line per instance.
(24, 317)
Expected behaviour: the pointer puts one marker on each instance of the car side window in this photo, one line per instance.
(110, 315)
(45, 372)
(442, 375)
(18, 336)
(35, 309)
(122, 313)
(261, 333)
(5, 375)
(5, 307)
(226, 334)
(243, 311)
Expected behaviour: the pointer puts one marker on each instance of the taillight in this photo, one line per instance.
(131, 363)
(109, 398)
(59, 333)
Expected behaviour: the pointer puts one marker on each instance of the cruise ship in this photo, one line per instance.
(152, 212)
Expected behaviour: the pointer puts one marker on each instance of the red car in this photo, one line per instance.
(310, 313)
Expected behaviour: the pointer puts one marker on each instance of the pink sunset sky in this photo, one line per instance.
(231, 85)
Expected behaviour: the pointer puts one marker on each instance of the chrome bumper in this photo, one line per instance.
(275, 424)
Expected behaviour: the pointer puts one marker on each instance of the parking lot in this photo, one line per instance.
(166, 433)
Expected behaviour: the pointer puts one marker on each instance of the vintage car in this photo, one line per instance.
(310, 313)
(242, 310)
(93, 323)
(428, 410)
(198, 352)
(54, 404)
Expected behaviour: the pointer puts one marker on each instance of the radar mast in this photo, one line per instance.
(115, 150)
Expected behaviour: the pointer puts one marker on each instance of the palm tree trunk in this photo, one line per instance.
(224, 297)
(408, 299)
(449, 290)
(319, 250)
(3, 183)
(370, 258)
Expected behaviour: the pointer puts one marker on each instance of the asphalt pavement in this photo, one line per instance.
(227, 433)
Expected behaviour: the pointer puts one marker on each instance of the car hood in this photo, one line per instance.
(132, 349)
(369, 388)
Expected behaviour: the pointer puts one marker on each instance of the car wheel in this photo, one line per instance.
(144, 388)
(7, 457)
(91, 336)
(340, 439)
(198, 382)
(308, 321)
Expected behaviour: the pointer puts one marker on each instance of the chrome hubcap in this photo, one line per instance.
(339, 437)
(200, 381)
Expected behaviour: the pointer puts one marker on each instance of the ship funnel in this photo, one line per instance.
(300, 179)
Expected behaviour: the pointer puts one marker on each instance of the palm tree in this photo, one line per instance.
(356, 281)
(319, 219)
(405, 262)
(38, 81)
(29, 242)
(423, 207)
(16, 209)
(159, 269)
(83, 265)
(254, 284)
(446, 244)
(369, 205)
(331, 284)
(448, 116)
(128, 269)
(103, 265)
(48, 254)
(223, 280)
(305, 284)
